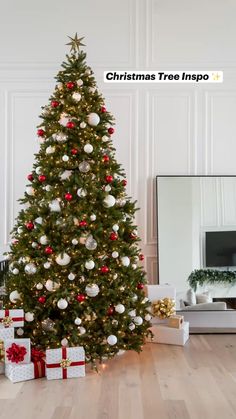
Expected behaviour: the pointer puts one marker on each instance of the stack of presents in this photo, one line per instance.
(20, 363)
(167, 327)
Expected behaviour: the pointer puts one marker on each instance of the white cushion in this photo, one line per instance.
(205, 297)
(191, 297)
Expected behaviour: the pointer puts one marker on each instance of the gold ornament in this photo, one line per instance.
(163, 308)
(65, 363)
(7, 321)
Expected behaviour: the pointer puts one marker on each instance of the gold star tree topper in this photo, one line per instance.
(75, 43)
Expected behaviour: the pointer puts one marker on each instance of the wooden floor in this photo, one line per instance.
(197, 381)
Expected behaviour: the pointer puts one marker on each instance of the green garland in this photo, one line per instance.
(211, 276)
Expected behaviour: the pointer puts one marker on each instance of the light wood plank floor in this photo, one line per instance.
(194, 382)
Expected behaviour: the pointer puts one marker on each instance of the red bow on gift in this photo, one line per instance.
(37, 355)
(16, 353)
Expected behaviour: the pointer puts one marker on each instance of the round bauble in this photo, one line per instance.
(30, 177)
(29, 317)
(124, 182)
(115, 276)
(71, 276)
(41, 178)
(115, 254)
(48, 188)
(111, 130)
(103, 109)
(90, 243)
(109, 179)
(79, 82)
(29, 225)
(42, 299)
(81, 330)
(93, 119)
(68, 196)
(112, 340)
(63, 259)
(65, 158)
(14, 296)
(62, 304)
(74, 151)
(39, 286)
(38, 170)
(20, 230)
(19, 332)
(125, 261)
(110, 311)
(88, 148)
(115, 227)
(131, 326)
(138, 320)
(107, 188)
(76, 96)
(148, 317)
(83, 125)
(47, 265)
(35, 245)
(81, 192)
(84, 167)
(105, 138)
(70, 85)
(140, 286)
(54, 103)
(55, 206)
(92, 290)
(48, 250)
(40, 132)
(134, 297)
(132, 313)
(70, 125)
(48, 325)
(104, 269)
(134, 266)
(93, 217)
(51, 285)
(80, 298)
(74, 242)
(83, 223)
(106, 158)
(30, 269)
(39, 220)
(141, 257)
(109, 201)
(89, 264)
(78, 321)
(113, 236)
(120, 308)
(64, 342)
(43, 239)
(15, 271)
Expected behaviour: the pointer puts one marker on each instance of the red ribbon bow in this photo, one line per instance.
(37, 355)
(16, 353)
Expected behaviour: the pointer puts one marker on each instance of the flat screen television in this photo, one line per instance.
(220, 248)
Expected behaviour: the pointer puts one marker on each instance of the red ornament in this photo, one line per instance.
(104, 269)
(80, 298)
(40, 132)
(124, 182)
(133, 236)
(68, 196)
(42, 299)
(106, 158)
(109, 178)
(111, 130)
(74, 151)
(113, 236)
(70, 124)
(140, 286)
(141, 256)
(29, 225)
(30, 177)
(48, 250)
(70, 85)
(16, 353)
(103, 109)
(42, 178)
(110, 311)
(83, 223)
(54, 103)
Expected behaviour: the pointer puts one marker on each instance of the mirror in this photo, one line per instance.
(196, 230)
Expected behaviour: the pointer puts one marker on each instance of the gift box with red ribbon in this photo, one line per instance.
(65, 363)
(17, 351)
(38, 359)
(23, 372)
(11, 318)
(7, 333)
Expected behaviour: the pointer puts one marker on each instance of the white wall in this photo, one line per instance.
(161, 129)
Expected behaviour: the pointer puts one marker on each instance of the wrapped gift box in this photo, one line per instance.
(158, 292)
(169, 335)
(17, 373)
(11, 318)
(65, 363)
(20, 350)
(7, 333)
(176, 321)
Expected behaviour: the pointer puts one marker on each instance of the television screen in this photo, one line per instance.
(220, 248)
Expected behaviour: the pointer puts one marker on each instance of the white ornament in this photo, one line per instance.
(115, 276)
(61, 137)
(83, 125)
(121, 202)
(138, 320)
(81, 192)
(92, 89)
(78, 321)
(148, 317)
(63, 121)
(93, 217)
(107, 188)
(55, 205)
(120, 308)
(90, 243)
(115, 227)
(50, 149)
(145, 300)
(112, 340)
(93, 119)
(63, 259)
(43, 239)
(20, 332)
(51, 286)
(88, 148)
(81, 330)
(74, 242)
(79, 82)
(105, 138)
(39, 286)
(115, 254)
(38, 170)
(134, 266)
(71, 276)
(48, 188)
(131, 326)
(76, 96)
(62, 304)
(39, 220)
(29, 317)
(109, 201)
(34, 245)
(135, 297)
(47, 265)
(132, 313)
(30, 269)
(15, 271)
(65, 158)
(125, 261)
(66, 174)
(20, 230)
(92, 290)
(84, 167)
(89, 264)
(30, 190)
(14, 296)
(64, 342)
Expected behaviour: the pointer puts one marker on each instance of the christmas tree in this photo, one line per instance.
(74, 258)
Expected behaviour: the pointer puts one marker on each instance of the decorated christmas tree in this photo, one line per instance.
(74, 259)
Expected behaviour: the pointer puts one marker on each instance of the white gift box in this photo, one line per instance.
(169, 335)
(65, 363)
(158, 292)
(22, 372)
(7, 333)
(11, 318)
(20, 342)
